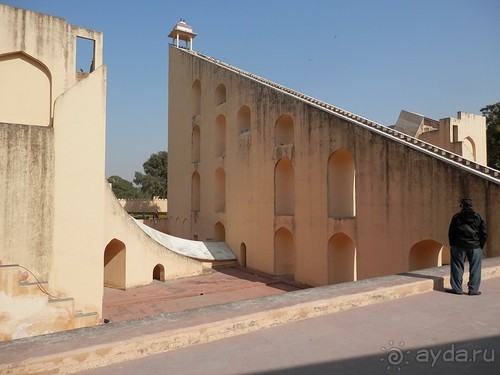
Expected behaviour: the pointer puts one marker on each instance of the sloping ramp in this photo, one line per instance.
(209, 251)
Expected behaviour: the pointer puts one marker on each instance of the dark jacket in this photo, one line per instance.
(467, 230)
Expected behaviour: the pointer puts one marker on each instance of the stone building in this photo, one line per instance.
(63, 234)
(298, 187)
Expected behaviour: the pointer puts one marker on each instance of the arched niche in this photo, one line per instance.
(195, 192)
(425, 254)
(284, 188)
(341, 185)
(196, 97)
(25, 90)
(219, 232)
(283, 131)
(244, 120)
(341, 259)
(220, 135)
(115, 264)
(284, 253)
(220, 94)
(220, 190)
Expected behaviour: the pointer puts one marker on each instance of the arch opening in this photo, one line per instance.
(284, 253)
(220, 94)
(195, 144)
(220, 135)
(220, 190)
(115, 264)
(284, 188)
(244, 120)
(469, 149)
(195, 192)
(219, 232)
(196, 97)
(243, 255)
(341, 259)
(159, 272)
(341, 185)
(26, 90)
(283, 131)
(425, 254)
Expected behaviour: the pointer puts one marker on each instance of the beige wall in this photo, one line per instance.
(402, 195)
(141, 254)
(50, 64)
(54, 156)
(464, 135)
(79, 126)
(27, 196)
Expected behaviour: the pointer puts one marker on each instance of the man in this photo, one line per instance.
(467, 235)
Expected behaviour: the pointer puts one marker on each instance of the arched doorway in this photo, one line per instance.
(243, 255)
(425, 254)
(284, 253)
(115, 264)
(159, 272)
(341, 259)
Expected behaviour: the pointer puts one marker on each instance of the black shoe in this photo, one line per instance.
(474, 293)
(453, 291)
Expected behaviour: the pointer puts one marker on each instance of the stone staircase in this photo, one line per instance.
(27, 309)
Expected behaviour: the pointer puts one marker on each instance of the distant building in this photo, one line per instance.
(464, 135)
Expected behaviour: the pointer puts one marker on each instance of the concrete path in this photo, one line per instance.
(431, 333)
(399, 311)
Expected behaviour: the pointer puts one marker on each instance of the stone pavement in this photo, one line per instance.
(221, 286)
(430, 333)
(132, 340)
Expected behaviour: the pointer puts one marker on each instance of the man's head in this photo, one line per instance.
(466, 203)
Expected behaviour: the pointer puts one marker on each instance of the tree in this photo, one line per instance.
(154, 180)
(492, 114)
(124, 189)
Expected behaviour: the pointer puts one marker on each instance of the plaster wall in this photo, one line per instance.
(79, 127)
(141, 253)
(26, 196)
(51, 65)
(46, 163)
(402, 196)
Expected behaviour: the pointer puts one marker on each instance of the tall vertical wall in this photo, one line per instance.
(26, 196)
(402, 195)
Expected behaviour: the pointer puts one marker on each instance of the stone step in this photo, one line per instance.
(82, 320)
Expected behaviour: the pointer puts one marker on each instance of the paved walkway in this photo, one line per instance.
(341, 327)
(430, 333)
(222, 286)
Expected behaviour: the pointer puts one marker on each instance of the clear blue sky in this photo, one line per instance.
(373, 58)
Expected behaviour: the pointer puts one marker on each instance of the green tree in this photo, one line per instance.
(492, 114)
(154, 180)
(124, 189)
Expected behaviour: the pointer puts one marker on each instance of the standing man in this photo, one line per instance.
(467, 236)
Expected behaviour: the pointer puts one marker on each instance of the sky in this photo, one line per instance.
(372, 58)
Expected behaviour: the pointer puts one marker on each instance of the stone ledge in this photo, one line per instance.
(93, 347)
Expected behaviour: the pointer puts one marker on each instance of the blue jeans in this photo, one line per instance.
(474, 256)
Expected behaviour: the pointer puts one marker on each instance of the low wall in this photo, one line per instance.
(144, 205)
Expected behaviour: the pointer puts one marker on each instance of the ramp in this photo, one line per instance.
(203, 251)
